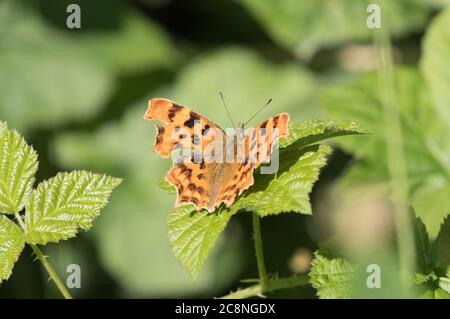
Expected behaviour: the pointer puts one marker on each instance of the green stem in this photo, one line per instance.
(259, 252)
(395, 154)
(272, 285)
(53, 275)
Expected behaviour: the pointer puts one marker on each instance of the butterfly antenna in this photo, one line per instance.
(226, 108)
(260, 110)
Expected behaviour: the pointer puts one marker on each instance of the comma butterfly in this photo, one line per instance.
(211, 166)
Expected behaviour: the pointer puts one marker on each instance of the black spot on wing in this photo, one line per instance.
(192, 118)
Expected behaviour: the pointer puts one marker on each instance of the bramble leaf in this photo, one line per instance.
(313, 131)
(289, 190)
(423, 247)
(444, 284)
(12, 241)
(441, 245)
(332, 277)
(193, 234)
(58, 207)
(18, 166)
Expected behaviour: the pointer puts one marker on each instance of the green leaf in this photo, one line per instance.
(289, 190)
(332, 277)
(431, 202)
(193, 234)
(18, 166)
(425, 144)
(65, 203)
(434, 63)
(441, 246)
(423, 247)
(444, 284)
(307, 26)
(313, 131)
(12, 242)
(422, 278)
(165, 186)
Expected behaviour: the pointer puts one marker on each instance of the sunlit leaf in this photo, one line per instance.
(62, 205)
(423, 247)
(12, 241)
(332, 277)
(441, 246)
(289, 190)
(193, 234)
(18, 166)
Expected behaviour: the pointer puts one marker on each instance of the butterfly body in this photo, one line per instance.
(215, 166)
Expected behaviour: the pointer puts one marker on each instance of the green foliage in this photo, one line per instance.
(12, 241)
(69, 77)
(424, 120)
(18, 166)
(289, 190)
(434, 278)
(336, 277)
(47, 87)
(440, 250)
(425, 146)
(434, 63)
(423, 247)
(86, 90)
(332, 277)
(58, 207)
(304, 26)
(53, 211)
(195, 86)
(192, 233)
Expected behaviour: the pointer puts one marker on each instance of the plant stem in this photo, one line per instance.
(53, 275)
(273, 284)
(395, 153)
(259, 252)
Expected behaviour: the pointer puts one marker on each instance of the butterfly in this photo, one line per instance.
(211, 165)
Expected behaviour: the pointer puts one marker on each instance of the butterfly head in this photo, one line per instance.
(240, 130)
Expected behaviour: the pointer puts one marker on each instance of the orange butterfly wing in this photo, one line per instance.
(183, 127)
(259, 144)
(207, 184)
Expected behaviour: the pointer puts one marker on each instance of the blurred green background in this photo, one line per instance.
(78, 96)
